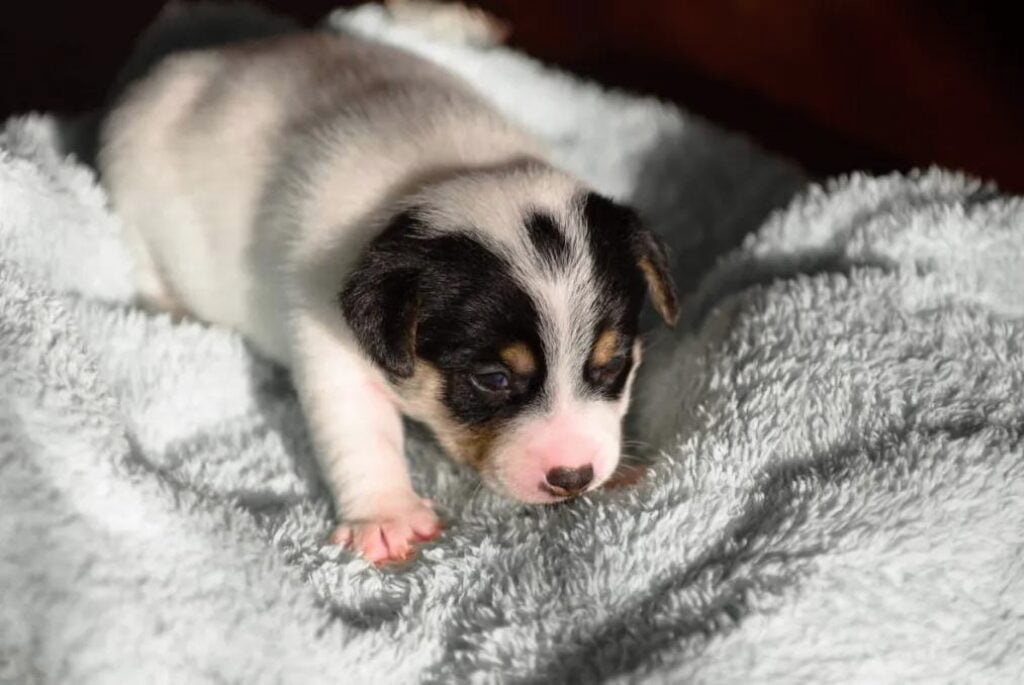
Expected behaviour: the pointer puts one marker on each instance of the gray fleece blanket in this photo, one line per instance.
(837, 493)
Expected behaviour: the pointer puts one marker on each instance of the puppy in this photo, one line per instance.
(365, 218)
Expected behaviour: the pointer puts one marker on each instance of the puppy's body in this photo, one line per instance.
(366, 219)
(240, 167)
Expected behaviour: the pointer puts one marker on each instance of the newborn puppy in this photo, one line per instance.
(366, 219)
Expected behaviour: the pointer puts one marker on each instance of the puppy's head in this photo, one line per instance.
(504, 308)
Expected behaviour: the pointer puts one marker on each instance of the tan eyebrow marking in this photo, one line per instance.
(605, 348)
(519, 358)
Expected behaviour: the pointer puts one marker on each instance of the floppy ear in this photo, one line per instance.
(652, 258)
(379, 300)
(615, 229)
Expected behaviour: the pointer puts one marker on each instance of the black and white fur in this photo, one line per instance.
(365, 218)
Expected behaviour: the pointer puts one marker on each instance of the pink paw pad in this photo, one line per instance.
(388, 538)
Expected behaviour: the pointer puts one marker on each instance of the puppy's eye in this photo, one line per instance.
(494, 381)
(615, 365)
(606, 374)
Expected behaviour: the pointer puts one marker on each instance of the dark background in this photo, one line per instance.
(835, 84)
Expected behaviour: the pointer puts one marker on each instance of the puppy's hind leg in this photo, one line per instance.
(451, 21)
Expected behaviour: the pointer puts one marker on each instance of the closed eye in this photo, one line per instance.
(607, 373)
(492, 381)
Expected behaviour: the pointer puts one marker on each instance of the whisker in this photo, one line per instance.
(632, 459)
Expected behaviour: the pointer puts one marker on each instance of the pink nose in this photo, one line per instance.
(567, 481)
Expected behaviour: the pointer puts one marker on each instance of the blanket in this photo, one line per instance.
(836, 493)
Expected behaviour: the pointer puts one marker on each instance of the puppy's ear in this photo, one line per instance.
(652, 258)
(615, 229)
(379, 300)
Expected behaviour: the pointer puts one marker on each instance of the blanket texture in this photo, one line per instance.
(838, 494)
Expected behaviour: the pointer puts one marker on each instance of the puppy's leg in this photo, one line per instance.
(357, 433)
(451, 21)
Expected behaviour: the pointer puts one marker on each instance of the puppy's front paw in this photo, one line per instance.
(389, 535)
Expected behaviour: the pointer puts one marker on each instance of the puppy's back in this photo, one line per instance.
(223, 159)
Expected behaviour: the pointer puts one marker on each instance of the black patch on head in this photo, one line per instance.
(547, 239)
(610, 228)
(446, 298)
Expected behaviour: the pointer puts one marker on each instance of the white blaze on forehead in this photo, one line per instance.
(567, 297)
(566, 300)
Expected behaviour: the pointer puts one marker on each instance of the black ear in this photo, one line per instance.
(379, 300)
(616, 229)
(652, 258)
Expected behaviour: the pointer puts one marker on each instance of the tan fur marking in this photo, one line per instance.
(474, 444)
(662, 298)
(605, 348)
(422, 400)
(519, 358)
